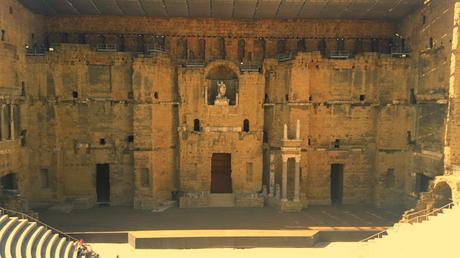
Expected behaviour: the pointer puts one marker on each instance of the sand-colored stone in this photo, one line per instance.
(135, 111)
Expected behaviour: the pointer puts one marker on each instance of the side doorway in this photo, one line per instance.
(103, 183)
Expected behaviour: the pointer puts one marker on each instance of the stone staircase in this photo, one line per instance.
(23, 236)
(221, 200)
(424, 235)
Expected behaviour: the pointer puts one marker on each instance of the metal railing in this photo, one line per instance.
(399, 51)
(36, 51)
(413, 213)
(416, 219)
(22, 215)
(284, 57)
(107, 47)
(155, 49)
(251, 67)
(428, 212)
(195, 62)
(340, 54)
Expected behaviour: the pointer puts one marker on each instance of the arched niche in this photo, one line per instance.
(222, 84)
(442, 194)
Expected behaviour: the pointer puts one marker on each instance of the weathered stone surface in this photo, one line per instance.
(385, 119)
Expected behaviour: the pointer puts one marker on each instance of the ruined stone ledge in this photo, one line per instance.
(390, 150)
(139, 149)
(11, 99)
(222, 129)
(101, 147)
(338, 102)
(286, 205)
(249, 200)
(291, 206)
(145, 202)
(429, 154)
(201, 201)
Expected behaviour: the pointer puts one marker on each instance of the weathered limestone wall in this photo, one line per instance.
(214, 27)
(18, 28)
(221, 130)
(429, 34)
(82, 116)
(136, 112)
(155, 130)
(361, 102)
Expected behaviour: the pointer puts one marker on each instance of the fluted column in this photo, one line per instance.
(284, 180)
(272, 176)
(11, 122)
(297, 179)
(2, 127)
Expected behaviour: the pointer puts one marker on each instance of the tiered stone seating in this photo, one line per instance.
(434, 237)
(21, 238)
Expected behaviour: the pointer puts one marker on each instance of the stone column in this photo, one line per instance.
(284, 180)
(11, 122)
(285, 133)
(277, 191)
(2, 126)
(297, 179)
(272, 176)
(297, 131)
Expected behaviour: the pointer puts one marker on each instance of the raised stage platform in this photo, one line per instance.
(192, 239)
(222, 227)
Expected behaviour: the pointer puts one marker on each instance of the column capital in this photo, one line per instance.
(285, 158)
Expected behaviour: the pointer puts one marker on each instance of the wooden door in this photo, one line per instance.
(221, 173)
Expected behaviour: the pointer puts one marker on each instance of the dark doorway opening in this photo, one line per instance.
(103, 183)
(9, 182)
(336, 183)
(221, 173)
(422, 182)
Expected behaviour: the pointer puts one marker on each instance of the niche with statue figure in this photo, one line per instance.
(222, 86)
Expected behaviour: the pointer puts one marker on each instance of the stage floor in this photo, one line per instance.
(124, 219)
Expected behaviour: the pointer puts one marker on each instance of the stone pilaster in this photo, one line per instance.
(297, 179)
(272, 176)
(284, 179)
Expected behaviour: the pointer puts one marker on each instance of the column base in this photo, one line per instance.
(285, 205)
(291, 206)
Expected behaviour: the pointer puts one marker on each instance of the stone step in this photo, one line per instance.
(50, 250)
(68, 249)
(31, 248)
(12, 239)
(60, 247)
(221, 200)
(43, 243)
(165, 205)
(3, 220)
(24, 239)
(5, 232)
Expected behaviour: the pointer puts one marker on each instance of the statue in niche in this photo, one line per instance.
(221, 99)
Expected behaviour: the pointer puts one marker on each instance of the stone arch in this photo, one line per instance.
(225, 72)
(442, 194)
(221, 70)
